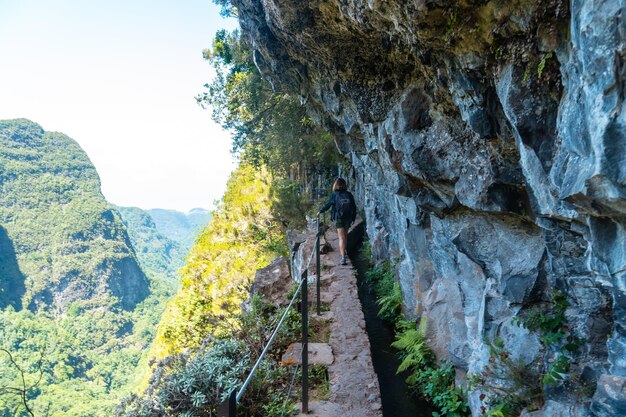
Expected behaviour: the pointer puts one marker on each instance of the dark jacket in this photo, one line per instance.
(332, 203)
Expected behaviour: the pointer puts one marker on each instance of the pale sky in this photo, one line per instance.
(120, 77)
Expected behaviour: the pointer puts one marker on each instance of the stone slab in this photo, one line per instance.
(319, 354)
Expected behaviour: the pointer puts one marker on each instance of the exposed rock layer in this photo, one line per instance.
(488, 147)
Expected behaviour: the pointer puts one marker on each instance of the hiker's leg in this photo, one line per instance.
(342, 232)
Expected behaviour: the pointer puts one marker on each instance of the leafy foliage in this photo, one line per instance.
(78, 312)
(509, 385)
(552, 324)
(83, 362)
(228, 10)
(279, 148)
(270, 128)
(436, 382)
(556, 336)
(191, 384)
(241, 238)
(391, 304)
(387, 290)
(196, 381)
(412, 343)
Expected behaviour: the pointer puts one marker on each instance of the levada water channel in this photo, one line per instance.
(397, 399)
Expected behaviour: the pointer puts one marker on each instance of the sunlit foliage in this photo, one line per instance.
(270, 129)
(241, 238)
(63, 249)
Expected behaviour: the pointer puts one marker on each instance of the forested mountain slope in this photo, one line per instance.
(69, 243)
(157, 253)
(180, 227)
(77, 312)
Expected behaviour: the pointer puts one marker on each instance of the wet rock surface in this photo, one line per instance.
(487, 145)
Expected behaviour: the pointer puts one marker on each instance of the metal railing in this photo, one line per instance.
(228, 407)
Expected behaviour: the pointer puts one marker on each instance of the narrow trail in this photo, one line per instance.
(354, 388)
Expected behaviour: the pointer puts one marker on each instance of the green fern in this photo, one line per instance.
(434, 381)
(411, 342)
(391, 304)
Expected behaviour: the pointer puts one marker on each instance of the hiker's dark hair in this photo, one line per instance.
(340, 185)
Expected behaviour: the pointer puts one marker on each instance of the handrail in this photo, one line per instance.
(269, 343)
(228, 407)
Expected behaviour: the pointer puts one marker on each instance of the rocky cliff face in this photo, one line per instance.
(487, 141)
(61, 241)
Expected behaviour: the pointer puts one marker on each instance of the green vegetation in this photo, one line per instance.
(435, 381)
(81, 364)
(555, 335)
(511, 385)
(279, 150)
(157, 254)
(542, 64)
(241, 238)
(387, 290)
(182, 228)
(508, 384)
(196, 381)
(280, 153)
(430, 379)
(59, 224)
(270, 130)
(78, 313)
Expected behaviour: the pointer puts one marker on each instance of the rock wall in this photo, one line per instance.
(487, 141)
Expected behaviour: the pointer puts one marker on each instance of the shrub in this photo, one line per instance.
(508, 385)
(191, 383)
(436, 382)
(387, 291)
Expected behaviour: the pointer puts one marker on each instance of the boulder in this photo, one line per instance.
(273, 282)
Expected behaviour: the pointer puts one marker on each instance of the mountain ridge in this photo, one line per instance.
(60, 224)
(79, 297)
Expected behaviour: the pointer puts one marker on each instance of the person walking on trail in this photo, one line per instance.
(343, 213)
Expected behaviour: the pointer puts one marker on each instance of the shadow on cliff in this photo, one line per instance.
(12, 287)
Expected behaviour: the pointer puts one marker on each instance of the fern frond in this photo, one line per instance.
(407, 339)
(406, 364)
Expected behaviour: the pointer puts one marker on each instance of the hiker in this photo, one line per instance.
(343, 213)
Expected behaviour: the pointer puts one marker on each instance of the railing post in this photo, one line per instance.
(228, 407)
(318, 268)
(305, 344)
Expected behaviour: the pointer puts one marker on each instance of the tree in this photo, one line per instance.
(18, 396)
(270, 128)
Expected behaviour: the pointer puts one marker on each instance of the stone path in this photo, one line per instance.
(354, 390)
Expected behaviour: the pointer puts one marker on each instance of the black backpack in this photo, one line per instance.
(344, 207)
